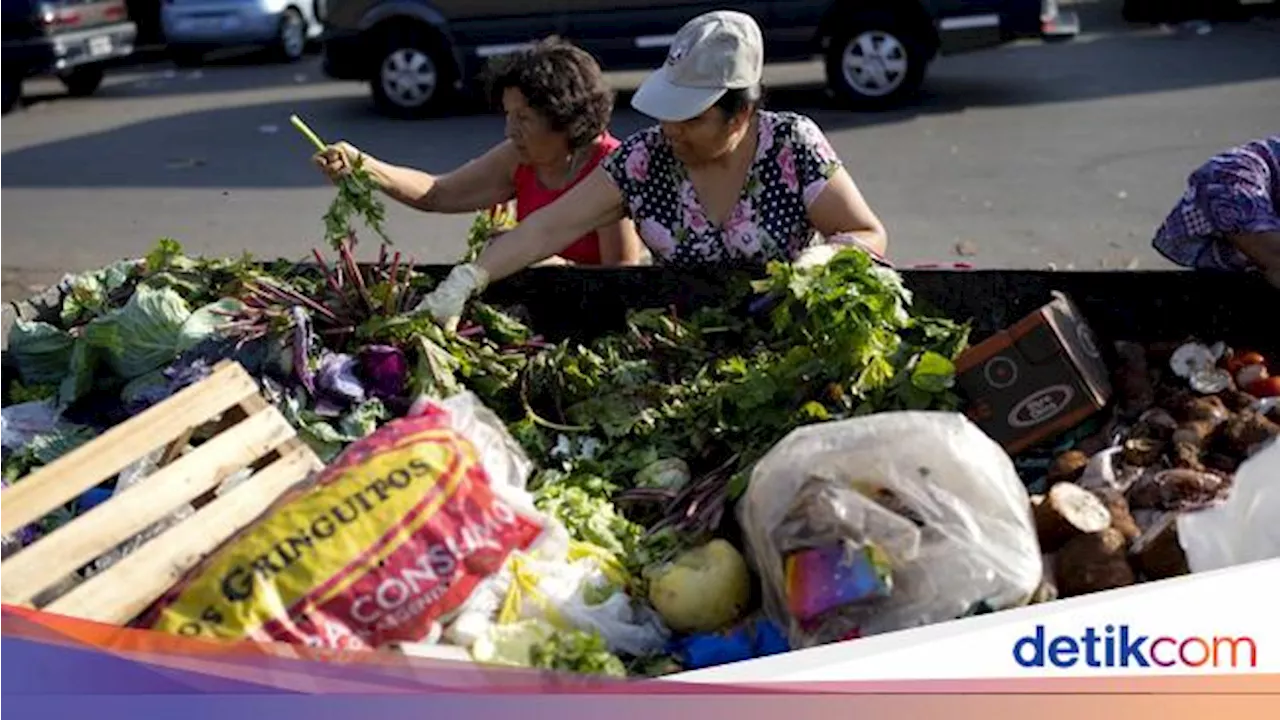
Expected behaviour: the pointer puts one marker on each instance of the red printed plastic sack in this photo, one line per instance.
(398, 533)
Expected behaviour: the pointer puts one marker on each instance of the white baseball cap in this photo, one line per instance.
(712, 54)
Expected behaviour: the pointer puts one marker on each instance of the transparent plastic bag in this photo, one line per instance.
(1245, 528)
(885, 522)
(504, 460)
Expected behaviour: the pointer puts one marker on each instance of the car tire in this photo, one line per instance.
(413, 73)
(12, 94)
(82, 81)
(876, 61)
(291, 36)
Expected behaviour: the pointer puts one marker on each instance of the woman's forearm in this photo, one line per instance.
(593, 203)
(873, 240)
(403, 184)
(528, 243)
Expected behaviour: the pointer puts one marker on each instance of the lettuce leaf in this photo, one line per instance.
(41, 351)
(152, 329)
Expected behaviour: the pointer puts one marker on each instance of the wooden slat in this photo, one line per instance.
(124, 590)
(52, 557)
(176, 448)
(88, 465)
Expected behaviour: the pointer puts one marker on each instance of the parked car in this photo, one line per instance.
(416, 53)
(72, 39)
(193, 28)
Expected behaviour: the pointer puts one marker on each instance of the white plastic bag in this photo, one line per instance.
(951, 527)
(1245, 528)
(558, 591)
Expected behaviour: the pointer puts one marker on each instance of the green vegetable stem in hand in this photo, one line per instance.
(357, 195)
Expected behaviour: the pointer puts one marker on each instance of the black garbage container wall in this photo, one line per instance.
(1147, 306)
(1151, 306)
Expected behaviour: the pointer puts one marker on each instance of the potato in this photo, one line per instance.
(1093, 563)
(1142, 451)
(1246, 430)
(1176, 489)
(1121, 518)
(1155, 424)
(1068, 466)
(1157, 553)
(1067, 511)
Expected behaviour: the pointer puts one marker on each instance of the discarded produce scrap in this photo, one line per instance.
(784, 469)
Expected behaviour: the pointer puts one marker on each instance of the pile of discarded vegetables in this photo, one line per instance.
(641, 439)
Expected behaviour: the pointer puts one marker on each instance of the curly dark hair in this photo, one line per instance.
(562, 82)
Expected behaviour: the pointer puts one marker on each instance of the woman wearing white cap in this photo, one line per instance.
(717, 180)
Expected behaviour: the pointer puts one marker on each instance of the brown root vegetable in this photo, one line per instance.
(1177, 489)
(1068, 511)
(1118, 506)
(1221, 462)
(1157, 553)
(1132, 379)
(1155, 424)
(1237, 400)
(1186, 456)
(1093, 563)
(1246, 430)
(1068, 467)
(1209, 409)
(1143, 451)
(1197, 433)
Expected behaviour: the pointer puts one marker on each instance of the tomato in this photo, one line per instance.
(1243, 360)
(1267, 387)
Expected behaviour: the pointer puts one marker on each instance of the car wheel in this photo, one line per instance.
(12, 93)
(413, 76)
(82, 81)
(291, 37)
(876, 61)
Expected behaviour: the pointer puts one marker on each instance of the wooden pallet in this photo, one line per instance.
(247, 432)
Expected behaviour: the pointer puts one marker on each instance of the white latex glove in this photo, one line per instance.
(817, 255)
(450, 297)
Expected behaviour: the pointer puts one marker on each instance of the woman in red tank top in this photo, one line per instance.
(557, 105)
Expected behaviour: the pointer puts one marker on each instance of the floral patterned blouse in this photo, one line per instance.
(793, 163)
(1235, 192)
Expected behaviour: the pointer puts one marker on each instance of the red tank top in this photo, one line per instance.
(531, 195)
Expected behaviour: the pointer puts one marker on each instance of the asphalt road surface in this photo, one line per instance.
(1022, 156)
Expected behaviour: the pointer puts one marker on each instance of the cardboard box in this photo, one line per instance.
(1035, 380)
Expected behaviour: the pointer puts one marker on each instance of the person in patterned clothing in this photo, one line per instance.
(718, 180)
(1229, 217)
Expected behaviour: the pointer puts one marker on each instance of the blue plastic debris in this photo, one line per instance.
(91, 499)
(751, 640)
